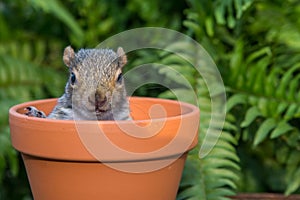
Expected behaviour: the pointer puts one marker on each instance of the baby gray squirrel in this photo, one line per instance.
(95, 89)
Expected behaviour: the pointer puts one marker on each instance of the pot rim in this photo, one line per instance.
(178, 135)
(13, 111)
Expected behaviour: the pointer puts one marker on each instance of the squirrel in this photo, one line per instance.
(95, 89)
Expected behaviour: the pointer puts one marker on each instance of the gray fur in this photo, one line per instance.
(96, 72)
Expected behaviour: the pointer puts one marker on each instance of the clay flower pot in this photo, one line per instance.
(109, 160)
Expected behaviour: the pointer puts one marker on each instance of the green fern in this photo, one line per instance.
(208, 174)
(22, 78)
(214, 176)
(260, 67)
(269, 93)
(57, 9)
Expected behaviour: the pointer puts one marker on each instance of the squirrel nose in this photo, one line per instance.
(100, 100)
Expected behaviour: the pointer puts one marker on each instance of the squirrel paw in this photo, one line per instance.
(33, 112)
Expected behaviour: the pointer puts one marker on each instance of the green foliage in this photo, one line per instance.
(58, 10)
(22, 79)
(260, 69)
(255, 45)
(271, 89)
(215, 175)
(211, 176)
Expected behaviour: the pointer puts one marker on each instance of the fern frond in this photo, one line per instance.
(22, 78)
(211, 172)
(228, 12)
(261, 73)
(268, 93)
(58, 10)
(7, 153)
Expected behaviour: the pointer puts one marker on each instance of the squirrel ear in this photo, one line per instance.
(122, 57)
(68, 55)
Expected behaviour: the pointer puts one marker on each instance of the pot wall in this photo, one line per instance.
(57, 180)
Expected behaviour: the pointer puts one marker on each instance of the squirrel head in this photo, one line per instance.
(96, 85)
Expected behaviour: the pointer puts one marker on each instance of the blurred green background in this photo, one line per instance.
(255, 44)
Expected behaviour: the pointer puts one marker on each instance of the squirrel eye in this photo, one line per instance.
(73, 78)
(119, 79)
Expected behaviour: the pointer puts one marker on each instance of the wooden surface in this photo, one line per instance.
(254, 196)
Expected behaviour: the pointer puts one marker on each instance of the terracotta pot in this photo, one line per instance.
(109, 160)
